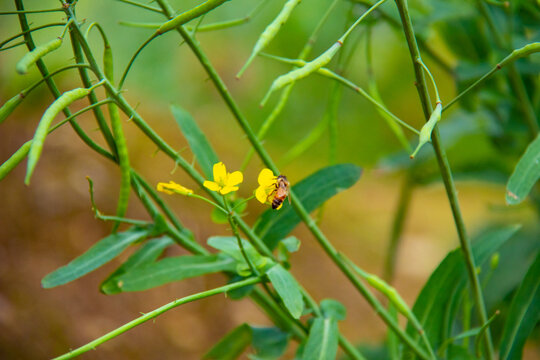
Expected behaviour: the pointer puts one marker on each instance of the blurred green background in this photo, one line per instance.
(47, 224)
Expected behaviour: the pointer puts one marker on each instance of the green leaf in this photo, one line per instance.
(333, 309)
(436, 306)
(287, 289)
(196, 139)
(313, 191)
(232, 345)
(147, 253)
(239, 293)
(99, 254)
(287, 246)
(173, 269)
(322, 340)
(524, 314)
(229, 245)
(269, 342)
(525, 175)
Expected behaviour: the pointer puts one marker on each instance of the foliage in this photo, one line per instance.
(499, 104)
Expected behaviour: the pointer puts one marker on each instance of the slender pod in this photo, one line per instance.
(270, 32)
(14, 159)
(300, 73)
(10, 105)
(189, 15)
(43, 127)
(317, 63)
(427, 129)
(119, 139)
(521, 52)
(33, 56)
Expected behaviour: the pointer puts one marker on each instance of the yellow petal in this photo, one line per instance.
(163, 188)
(220, 173)
(266, 177)
(172, 188)
(261, 195)
(211, 185)
(228, 189)
(235, 178)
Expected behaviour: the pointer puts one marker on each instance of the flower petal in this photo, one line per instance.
(211, 185)
(228, 189)
(234, 179)
(261, 195)
(163, 187)
(266, 177)
(220, 173)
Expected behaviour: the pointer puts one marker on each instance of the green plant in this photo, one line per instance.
(256, 258)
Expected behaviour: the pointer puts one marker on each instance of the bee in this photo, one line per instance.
(280, 192)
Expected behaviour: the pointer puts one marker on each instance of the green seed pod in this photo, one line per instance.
(300, 73)
(270, 32)
(391, 294)
(14, 160)
(189, 15)
(10, 105)
(521, 52)
(425, 132)
(33, 56)
(43, 127)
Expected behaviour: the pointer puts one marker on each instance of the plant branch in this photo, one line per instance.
(155, 313)
(446, 173)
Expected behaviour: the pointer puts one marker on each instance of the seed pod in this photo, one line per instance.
(14, 159)
(521, 52)
(33, 56)
(10, 105)
(425, 132)
(300, 73)
(189, 15)
(270, 32)
(43, 127)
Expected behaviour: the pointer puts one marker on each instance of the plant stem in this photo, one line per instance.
(50, 82)
(446, 173)
(30, 30)
(397, 227)
(155, 313)
(301, 211)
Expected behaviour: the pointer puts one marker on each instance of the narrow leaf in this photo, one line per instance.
(101, 253)
(232, 345)
(313, 191)
(524, 314)
(322, 340)
(525, 175)
(287, 289)
(172, 269)
(229, 245)
(146, 254)
(436, 306)
(196, 139)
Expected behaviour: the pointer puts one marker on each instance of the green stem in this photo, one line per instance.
(19, 12)
(301, 211)
(285, 94)
(446, 173)
(50, 82)
(29, 31)
(397, 227)
(516, 81)
(155, 313)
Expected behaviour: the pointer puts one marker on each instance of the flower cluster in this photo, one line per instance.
(225, 183)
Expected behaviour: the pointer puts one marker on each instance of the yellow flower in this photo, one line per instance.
(173, 188)
(267, 184)
(224, 182)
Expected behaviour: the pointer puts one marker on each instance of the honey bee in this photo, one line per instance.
(280, 192)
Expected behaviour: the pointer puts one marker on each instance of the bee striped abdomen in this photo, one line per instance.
(276, 202)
